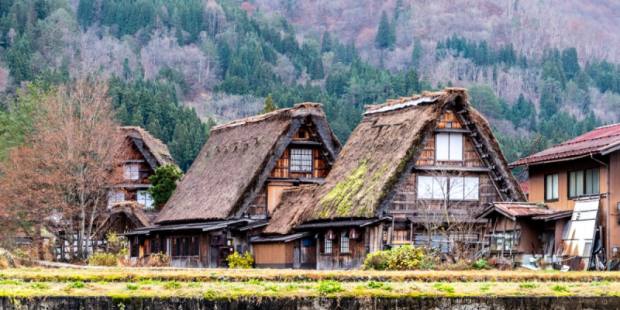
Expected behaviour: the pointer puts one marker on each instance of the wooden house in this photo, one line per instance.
(416, 170)
(130, 205)
(581, 177)
(235, 183)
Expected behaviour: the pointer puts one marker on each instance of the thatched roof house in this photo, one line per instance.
(233, 166)
(154, 150)
(377, 153)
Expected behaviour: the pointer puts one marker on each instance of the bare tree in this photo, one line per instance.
(451, 213)
(61, 174)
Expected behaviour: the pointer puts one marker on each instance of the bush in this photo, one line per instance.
(481, 264)
(76, 284)
(172, 285)
(377, 260)
(236, 260)
(132, 287)
(102, 259)
(329, 287)
(405, 257)
(158, 260)
(444, 287)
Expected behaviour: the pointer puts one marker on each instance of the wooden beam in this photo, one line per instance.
(451, 168)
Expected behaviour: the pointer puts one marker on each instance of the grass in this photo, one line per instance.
(329, 288)
(155, 275)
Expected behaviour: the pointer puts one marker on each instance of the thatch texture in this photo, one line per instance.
(132, 210)
(236, 161)
(374, 157)
(156, 147)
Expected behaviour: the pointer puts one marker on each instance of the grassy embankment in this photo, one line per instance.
(224, 284)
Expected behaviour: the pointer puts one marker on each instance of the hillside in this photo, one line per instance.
(541, 71)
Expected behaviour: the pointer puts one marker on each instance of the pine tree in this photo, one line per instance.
(416, 54)
(85, 12)
(326, 43)
(384, 38)
(570, 63)
(269, 106)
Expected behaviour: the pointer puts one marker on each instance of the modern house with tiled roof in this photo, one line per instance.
(582, 175)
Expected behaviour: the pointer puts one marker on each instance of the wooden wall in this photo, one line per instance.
(276, 254)
(338, 260)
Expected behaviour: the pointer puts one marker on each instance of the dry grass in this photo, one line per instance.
(228, 290)
(287, 275)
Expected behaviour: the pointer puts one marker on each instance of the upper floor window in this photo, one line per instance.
(144, 198)
(301, 160)
(115, 197)
(453, 188)
(551, 187)
(449, 146)
(583, 182)
(131, 171)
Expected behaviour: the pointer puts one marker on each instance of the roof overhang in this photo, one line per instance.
(281, 238)
(200, 227)
(340, 223)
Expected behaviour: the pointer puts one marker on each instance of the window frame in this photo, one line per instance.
(302, 149)
(345, 243)
(146, 193)
(557, 186)
(584, 192)
(450, 135)
(115, 194)
(128, 173)
(327, 241)
(447, 181)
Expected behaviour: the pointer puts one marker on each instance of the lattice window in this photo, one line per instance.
(344, 243)
(131, 171)
(301, 160)
(328, 246)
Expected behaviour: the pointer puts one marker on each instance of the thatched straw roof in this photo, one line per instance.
(374, 157)
(236, 161)
(132, 210)
(156, 152)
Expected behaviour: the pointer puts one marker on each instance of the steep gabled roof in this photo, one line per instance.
(236, 161)
(375, 156)
(154, 150)
(601, 140)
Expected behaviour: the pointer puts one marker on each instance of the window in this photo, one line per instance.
(115, 197)
(551, 187)
(131, 171)
(327, 246)
(301, 160)
(144, 198)
(449, 146)
(430, 187)
(464, 188)
(460, 188)
(505, 241)
(185, 246)
(583, 183)
(344, 242)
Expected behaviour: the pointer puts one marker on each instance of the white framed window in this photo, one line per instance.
(471, 188)
(328, 246)
(449, 146)
(301, 160)
(131, 171)
(145, 198)
(432, 187)
(344, 242)
(551, 187)
(115, 197)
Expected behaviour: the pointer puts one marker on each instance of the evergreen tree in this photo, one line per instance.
(417, 53)
(384, 38)
(550, 98)
(163, 183)
(326, 43)
(85, 12)
(570, 63)
(269, 106)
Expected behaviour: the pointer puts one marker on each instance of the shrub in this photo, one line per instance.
(405, 257)
(559, 288)
(132, 287)
(481, 264)
(329, 287)
(444, 287)
(158, 260)
(102, 259)
(377, 260)
(528, 285)
(236, 260)
(76, 284)
(172, 285)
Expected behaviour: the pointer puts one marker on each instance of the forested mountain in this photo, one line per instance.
(177, 66)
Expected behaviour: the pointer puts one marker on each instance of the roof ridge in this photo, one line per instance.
(265, 116)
